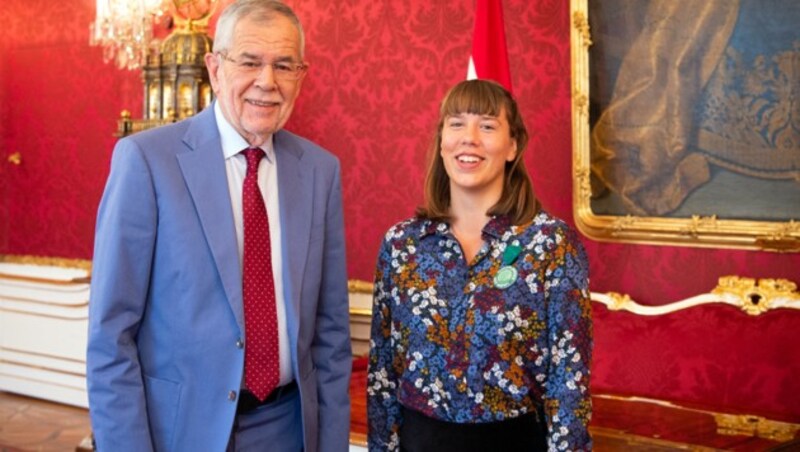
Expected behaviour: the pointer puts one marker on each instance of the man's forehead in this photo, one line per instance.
(266, 25)
(256, 37)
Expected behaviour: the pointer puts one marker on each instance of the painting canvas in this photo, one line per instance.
(687, 121)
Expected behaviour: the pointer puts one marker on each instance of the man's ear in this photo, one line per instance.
(212, 64)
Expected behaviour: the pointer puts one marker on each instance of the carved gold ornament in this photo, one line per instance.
(15, 159)
(359, 286)
(727, 424)
(581, 24)
(757, 426)
(758, 296)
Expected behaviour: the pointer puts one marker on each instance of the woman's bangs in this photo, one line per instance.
(477, 99)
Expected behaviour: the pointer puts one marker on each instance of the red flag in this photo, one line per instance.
(489, 59)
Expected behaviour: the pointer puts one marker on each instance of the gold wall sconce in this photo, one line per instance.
(15, 159)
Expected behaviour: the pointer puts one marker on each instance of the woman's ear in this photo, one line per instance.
(513, 153)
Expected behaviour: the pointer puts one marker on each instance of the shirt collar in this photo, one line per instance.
(232, 142)
(431, 227)
(496, 226)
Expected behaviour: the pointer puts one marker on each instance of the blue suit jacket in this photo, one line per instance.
(166, 309)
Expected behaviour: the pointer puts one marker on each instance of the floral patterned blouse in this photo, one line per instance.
(480, 342)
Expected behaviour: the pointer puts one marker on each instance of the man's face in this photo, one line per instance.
(257, 80)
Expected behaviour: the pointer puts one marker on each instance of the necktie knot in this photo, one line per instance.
(253, 157)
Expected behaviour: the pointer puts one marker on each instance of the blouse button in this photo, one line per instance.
(232, 396)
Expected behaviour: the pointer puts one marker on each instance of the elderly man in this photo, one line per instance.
(218, 313)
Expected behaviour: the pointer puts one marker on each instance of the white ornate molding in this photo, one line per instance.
(43, 294)
(752, 296)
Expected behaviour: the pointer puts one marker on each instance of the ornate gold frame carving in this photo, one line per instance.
(696, 231)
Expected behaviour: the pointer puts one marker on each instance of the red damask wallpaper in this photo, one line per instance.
(378, 70)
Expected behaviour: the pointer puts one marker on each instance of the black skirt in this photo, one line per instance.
(420, 433)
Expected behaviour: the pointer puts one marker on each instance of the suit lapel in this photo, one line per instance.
(295, 192)
(203, 170)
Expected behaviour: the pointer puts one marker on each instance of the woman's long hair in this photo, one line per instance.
(481, 97)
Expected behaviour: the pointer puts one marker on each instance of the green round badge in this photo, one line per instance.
(505, 277)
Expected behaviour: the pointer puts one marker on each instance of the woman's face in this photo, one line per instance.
(475, 149)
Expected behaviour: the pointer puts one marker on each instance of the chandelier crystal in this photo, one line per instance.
(124, 28)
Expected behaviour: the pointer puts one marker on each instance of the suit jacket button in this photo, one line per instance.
(232, 396)
(239, 343)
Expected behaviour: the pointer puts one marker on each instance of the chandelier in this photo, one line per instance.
(124, 28)
(174, 75)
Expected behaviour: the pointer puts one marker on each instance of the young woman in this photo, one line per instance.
(481, 331)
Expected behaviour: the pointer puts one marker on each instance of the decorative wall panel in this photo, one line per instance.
(43, 322)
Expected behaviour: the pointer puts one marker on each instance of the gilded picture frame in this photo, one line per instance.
(617, 198)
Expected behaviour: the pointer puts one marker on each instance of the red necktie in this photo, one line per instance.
(261, 358)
